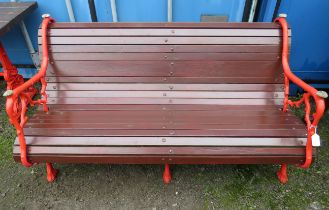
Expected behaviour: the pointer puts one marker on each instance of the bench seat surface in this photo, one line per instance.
(182, 133)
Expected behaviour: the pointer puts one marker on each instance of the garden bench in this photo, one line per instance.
(164, 93)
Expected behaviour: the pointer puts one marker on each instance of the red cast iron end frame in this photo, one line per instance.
(20, 94)
(318, 97)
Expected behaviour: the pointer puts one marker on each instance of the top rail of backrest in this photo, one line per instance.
(186, 25)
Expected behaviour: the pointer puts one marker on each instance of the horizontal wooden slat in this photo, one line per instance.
(165, 56)
(155, 107)
(163, 133)
(165, 150)
(160, 141)
(163, 32)
(163, 94)
(153, 159)
(157, 126)
(134, 100)
(166, 48)
(167, 80)
(166, 87)
(231, 69)
(164, 40)
(166, 25)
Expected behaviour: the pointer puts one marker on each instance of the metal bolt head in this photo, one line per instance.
(45, 15)
(283, 15)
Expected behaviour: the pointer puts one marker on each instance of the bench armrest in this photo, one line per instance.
(42, 71)
(22, 95)
(318, 96)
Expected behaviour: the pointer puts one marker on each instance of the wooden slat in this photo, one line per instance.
(192, 133)
(166, 48)
(160, 141)
(167, 80)
(151, 159)
(163, 94)
(155, 107)
(222, 151)
(13, 12)
(167, 25)
(163, 32)
(167, 119)
(164, 40)
(135, 100)
(158, 126)
(165, 56)
(166, 87)
(238, 69)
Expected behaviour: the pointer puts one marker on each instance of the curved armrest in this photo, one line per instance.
(42, 72)
(289, 76)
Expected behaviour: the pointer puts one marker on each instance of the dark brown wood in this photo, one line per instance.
(88, 86)
(163, 40)
(233, 69)
(183, 150)
(143, 159)
(167, 80)
(162, 141)
(164, 48)
(167, 25)
(13, 12)
(164, 32)
(55, 108)
(165, 56)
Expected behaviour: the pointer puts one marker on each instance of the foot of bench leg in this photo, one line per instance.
(282, 174)
(51, 172)
(166, 174)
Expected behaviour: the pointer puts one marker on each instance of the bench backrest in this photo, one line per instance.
(165, 63)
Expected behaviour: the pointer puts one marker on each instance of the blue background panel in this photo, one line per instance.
(191, 11)
(310, 35)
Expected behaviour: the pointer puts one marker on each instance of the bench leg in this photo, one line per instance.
(166, 174)
(51, 172)
(282, 174)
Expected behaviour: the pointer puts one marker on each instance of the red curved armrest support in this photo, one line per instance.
(309, 91)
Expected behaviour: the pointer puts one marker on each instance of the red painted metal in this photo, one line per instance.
(166, 174)
(309, 91)
(51, 172)
(20, 95)
(282, 174)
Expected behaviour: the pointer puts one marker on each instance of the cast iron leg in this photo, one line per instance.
(51, 172)
(282, 174)
(166, 174)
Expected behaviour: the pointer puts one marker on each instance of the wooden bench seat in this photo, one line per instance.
(165, 133)
(165, 93)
